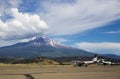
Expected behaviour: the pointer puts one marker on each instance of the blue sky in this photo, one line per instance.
(92, 25)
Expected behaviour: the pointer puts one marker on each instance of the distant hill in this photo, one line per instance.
(41, 47)
(38, 60)
(113, 56)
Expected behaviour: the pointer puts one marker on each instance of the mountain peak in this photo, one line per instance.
(45, 41)
(41, 46)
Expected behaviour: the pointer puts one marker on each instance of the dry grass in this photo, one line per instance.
(59, 72)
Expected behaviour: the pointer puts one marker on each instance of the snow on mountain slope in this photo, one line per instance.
(46, 41)
(41, 46)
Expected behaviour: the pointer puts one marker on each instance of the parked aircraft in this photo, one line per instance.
(86, 63)
(104, 62)
(95, 60)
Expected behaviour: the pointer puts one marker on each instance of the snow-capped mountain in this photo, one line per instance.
(42, 41)
(45, 41)
(41, 47)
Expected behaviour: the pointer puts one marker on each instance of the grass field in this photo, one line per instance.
(59, 72)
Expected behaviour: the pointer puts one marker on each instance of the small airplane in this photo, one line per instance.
(85, 63)
(103, 62)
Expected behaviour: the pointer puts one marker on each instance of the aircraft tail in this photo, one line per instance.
(95, 58)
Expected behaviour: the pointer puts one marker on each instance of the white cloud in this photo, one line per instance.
(102, 47)
(7, 43)
(27, 39)
(64, 18)
(22, 25)
(6, 5)
(60, 40)
(11, 42)
(79, 16)
(113, 32)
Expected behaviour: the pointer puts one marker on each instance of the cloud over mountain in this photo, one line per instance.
(69, 21)
(66, 18)
(6, 5)
(22, 25)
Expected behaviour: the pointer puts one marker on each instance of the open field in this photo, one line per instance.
(59, 72)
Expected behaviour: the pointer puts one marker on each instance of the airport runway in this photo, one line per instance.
(60, 72)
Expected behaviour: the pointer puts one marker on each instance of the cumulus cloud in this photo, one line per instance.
(22, 25)
(102, 47)
(6, 5)
(65, 18)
